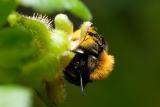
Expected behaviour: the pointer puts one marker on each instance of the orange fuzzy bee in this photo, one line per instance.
(91, 61)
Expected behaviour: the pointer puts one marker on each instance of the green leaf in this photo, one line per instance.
(63, 23)
(15, 47)
(6, 6)
(15, 96)
(60, 42)
(76, 7)
(45, 63)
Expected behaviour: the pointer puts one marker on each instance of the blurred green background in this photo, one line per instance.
(132, 30)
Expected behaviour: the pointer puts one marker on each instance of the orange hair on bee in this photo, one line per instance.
(104, 67)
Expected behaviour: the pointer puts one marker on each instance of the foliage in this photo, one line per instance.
(9, 93)
(6, 6)
(76, 7)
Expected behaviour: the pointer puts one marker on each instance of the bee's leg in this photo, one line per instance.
(81, 83)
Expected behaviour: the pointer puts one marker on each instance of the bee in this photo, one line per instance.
(91, 61)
